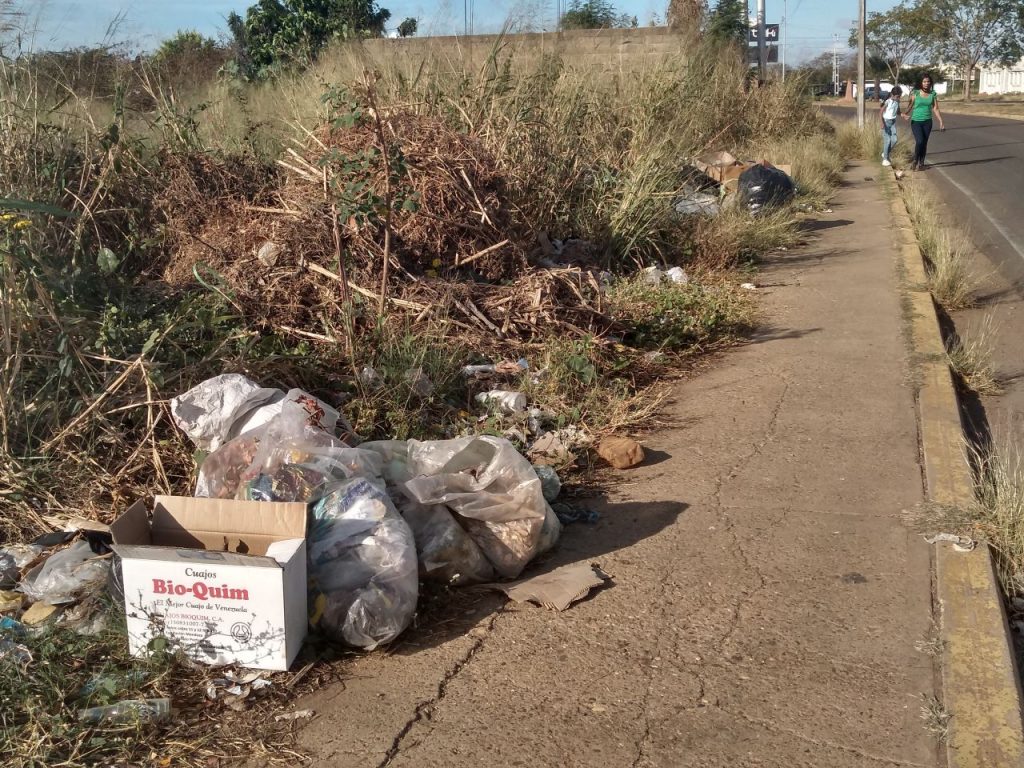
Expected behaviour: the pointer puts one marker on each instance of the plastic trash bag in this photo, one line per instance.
(763, 186)
(227, 406)
(288, 440)
(67, 575)
(362, 566)
(446, 553)
(493, 490)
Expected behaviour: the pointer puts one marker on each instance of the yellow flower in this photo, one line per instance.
(21, 224)
(8, 216)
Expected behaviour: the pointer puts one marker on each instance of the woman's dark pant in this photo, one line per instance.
(922, 130)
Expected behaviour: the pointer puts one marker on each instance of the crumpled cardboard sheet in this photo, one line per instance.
(557, 589)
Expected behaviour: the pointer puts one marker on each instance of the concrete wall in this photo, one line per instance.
(597, 48)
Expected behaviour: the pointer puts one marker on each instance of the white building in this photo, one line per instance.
(995, 80)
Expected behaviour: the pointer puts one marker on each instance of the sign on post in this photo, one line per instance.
(771, 33)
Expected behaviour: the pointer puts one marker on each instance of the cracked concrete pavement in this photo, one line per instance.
(767, 598)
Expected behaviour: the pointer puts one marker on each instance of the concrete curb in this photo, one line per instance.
(980, 681)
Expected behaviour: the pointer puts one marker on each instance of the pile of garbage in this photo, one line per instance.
(719, 178)
(382, 515)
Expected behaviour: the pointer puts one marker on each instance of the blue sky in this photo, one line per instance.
(62, 23)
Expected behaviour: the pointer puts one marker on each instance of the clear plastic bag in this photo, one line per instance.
(494, 491)
(446, 553)
(362, 566)
(67, 575)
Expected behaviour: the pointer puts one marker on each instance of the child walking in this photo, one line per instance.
(890, 115)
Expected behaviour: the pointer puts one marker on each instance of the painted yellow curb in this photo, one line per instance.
(981, 686)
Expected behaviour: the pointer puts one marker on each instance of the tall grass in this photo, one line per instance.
(947, 251)
(971, 356)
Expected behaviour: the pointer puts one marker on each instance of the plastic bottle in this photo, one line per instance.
(506, 402)
(143, 710)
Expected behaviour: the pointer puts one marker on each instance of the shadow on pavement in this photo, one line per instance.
(446, 614)
(817, 225)
(769, 333)
(953, 163)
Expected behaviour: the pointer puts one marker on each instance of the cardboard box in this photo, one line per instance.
(223, 580)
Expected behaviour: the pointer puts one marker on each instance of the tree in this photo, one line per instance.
(972, 32)
(897, 36)
(188, 58)
(727, 25)
(408, 27)
(276, 32)
(686, 14)
(595, 14)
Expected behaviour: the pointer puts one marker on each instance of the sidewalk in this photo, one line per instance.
(767, 598)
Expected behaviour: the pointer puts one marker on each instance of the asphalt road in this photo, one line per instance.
(977, 166)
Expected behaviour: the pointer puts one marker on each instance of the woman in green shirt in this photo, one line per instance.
(923, 102)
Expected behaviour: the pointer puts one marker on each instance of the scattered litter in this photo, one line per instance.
(369, 379)
(764, 186)
(141, 710)
(621, 452)
(570, 513)
(558, 589)
(38, 613)
(13, 559)
(269, 253)
(66, 575)
(419, 382)
(748, 286)
(507, 367)
(111, 683)
(696, 203)
(960, 543)
(535, 420)
(53, 539)
(299, 714)
(550, 448)
(503, 401)
(678, 276)
(13, 627)
(18, 653)
(550, 483)
(10, 601)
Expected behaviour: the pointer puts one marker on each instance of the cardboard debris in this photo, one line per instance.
(727, 169)
(225, 581)
(557, 589)
(38, 613)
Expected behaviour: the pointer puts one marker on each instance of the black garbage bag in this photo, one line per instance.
(762, 186)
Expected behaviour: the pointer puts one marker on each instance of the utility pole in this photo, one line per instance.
(785, 35)
(861, 63)
(762, 48)
(835, 65)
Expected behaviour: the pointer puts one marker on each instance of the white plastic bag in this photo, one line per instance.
(491, 487)
(67, 575)
(227, 406)
(362, 566)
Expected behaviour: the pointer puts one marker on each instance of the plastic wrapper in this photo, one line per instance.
(221, 472)
(362, 566)
(494, 491)
(446, 552)
(67, 575)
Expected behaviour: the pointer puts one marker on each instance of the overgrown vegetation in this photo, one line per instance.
(970, 356)
(361, 241)
(947, 251)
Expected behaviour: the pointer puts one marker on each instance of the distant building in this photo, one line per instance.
(996, 80)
